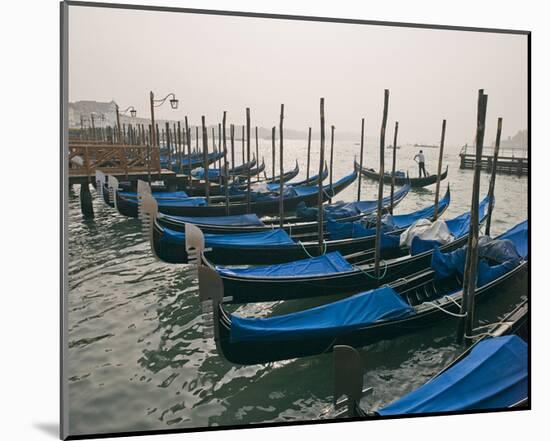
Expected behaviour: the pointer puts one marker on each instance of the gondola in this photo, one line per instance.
(491, 374)
(196, 160)
(401, 178)
(262, 204)
(384, 313)
(298, 224)
(240, 174)
(278, 246)
(333, 273)
(197, 187)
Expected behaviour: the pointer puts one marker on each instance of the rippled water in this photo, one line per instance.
(137, 359)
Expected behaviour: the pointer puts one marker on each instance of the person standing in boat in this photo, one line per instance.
(421, 164)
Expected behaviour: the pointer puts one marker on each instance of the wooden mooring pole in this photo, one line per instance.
(439, 166)
(361, 159)
(281, 158)
(273, 129)
(321, 227)
(189, 166)
(308, 152)
(493, 179)
(377, 247)
(225, 169)
(248, 208)
(331, 162)
(465, 323)
(205, 160)
(257, 153)
(242, 141)
(232, 135)
(395, 130)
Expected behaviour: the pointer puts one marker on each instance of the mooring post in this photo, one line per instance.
(320, 216)
(248, 158)
(281, 160)
(377, 247)
(157, 146)
(331, 162)
(225, 170)
(180, 146)
(257, 153)
(439, 166)
(242, 141)
(205, 160)
(465, 323)
(189, 166)
(273, 153)
(149, 154)
(86, 204)
(395, 130)
(308, 153)
(232, 135)
(220, 150)
(361, 159)
(493, 180)
(196, 139)
(169, 145)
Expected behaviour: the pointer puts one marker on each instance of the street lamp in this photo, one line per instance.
(157, 103)
(133, 113)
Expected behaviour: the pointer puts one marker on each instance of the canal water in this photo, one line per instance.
(137, 357)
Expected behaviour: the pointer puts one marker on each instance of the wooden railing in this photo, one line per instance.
(119, 159)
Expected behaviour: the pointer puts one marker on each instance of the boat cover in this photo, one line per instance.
(239, 240)
(156, 194)
(353, 229)
(493, 375)
(195, 202)
(339, 210)
(458, 227)
(448, 264)
(326, 264)
(238, 220)
(325, 321)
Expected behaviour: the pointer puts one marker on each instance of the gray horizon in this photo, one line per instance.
(216, 63)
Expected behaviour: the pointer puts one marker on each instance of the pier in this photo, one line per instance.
(510, 161)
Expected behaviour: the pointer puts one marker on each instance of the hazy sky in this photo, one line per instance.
(217, 63)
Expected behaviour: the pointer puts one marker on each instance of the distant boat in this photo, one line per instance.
(426, 146)
(390, 147)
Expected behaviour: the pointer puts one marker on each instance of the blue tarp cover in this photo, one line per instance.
(327, 264)
(240, 220)
(329, 320)
(196, 202)
(448, 264)
(494, 375)
(156, 194)
(406, 220)
(240, 240)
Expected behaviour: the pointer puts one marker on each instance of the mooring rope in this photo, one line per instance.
(309, 255)
(371, 276)
(453, 314)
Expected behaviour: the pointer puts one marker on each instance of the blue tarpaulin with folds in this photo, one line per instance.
(406, 220)
(327, 264)
(240, 240)
(329, 320)
(195, 202)
(240, 220)
(448, 264)
(494, 375)
(156, 194)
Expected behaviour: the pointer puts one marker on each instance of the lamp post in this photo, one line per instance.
(133, 113)
(157, 103)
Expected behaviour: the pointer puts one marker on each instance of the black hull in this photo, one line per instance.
(292, 224)
(248, 290)
(261, 208)
(415, 182)
(254, 352)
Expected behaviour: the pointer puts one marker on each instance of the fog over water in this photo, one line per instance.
(217, 63)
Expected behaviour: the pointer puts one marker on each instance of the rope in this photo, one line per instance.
(309, 255)
(486, 334)
(453, 314)
(371, 276)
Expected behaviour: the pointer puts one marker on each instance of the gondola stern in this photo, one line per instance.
(210, 297)
(147, 214)
(348, 380)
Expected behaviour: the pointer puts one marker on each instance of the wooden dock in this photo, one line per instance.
(512, 161)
